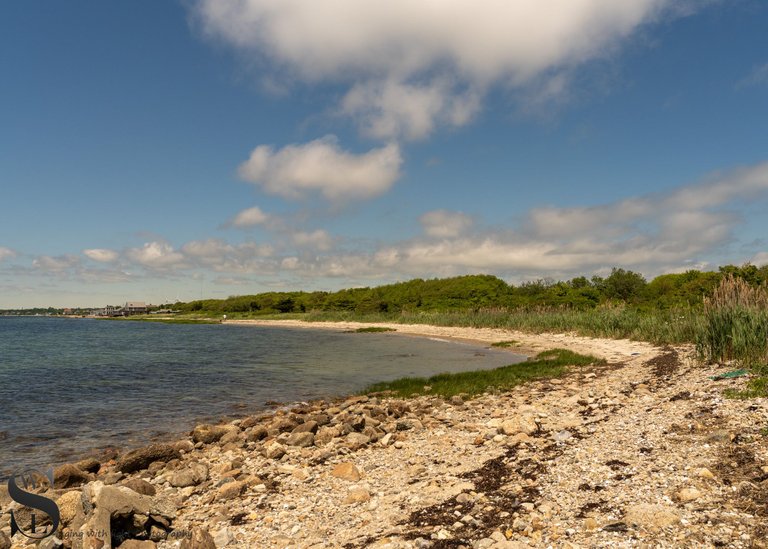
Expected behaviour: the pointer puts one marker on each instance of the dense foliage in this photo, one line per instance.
(475, 292)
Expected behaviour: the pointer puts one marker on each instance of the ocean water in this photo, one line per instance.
(74, 387)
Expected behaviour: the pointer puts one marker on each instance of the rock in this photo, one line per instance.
(523, 423)
(687, 494)
(302, 439)
(456, 400)
(307, 427)
(140, 486)
(325, 435)
(590, 524)
(386, 439)
(562, 436)
(5, 541)
(141, 458)
(357, 495)
(256, 434)
(223, 537)
(208, 434)
(198, 539)
(70, 505)
(89, 465)
(184, 446)
(70, 475)
(192, 475)
(137, 544)
(230, 490)
(275, 451)
(705, 473)
(651, 517)
(346, 471)
(356, 441)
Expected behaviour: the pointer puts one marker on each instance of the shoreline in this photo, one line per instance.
(526, 343)
(521, 468)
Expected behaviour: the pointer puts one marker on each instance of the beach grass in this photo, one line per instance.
(504, 344)
(547, 364)
(371, 330)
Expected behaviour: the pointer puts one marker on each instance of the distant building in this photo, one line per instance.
(135, 308)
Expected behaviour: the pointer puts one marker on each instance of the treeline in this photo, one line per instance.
(486, 291)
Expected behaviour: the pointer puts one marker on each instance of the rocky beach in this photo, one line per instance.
(643, 451)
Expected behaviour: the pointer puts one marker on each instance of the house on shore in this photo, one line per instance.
(135, 308)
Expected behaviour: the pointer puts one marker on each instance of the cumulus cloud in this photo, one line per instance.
(250, 217)
(445, 224)
(155, 255)
(437, 57)
(760, 259)
(321, 166)
(6, 253)
(318, 240)
(654, 233)
(101, 255)
(58, 263)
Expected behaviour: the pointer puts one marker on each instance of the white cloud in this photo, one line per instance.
(155, 255)
(101, 255)
(654, 233)
(250, 217)
(760, 259)
(320, 166)
(319, 240)
(757, 77)
(6, 253)
(56, 264)
(390, 108)
(387, 50)
(445, 224)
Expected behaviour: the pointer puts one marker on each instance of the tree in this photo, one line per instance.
(624, 285)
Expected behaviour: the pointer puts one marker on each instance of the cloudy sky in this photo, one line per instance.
(171, 150)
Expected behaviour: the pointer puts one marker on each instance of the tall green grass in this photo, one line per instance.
(661, 327)
(735, 325)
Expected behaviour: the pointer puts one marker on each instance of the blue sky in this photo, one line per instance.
(167, 150)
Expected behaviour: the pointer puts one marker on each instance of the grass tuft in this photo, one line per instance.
(370, 330)
(504, 344)
(547, 364)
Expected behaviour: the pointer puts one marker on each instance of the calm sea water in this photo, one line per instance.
(72, 386)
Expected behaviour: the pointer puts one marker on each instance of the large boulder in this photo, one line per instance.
(139, 459)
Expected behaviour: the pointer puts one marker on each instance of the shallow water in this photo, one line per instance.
(71, 385)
